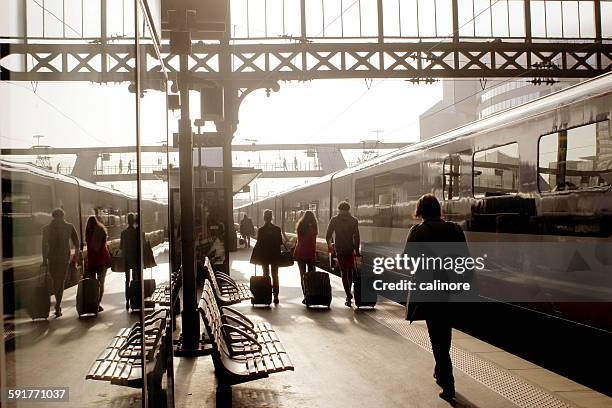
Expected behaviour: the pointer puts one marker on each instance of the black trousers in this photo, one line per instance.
(302, 265)
(274, 269)
(440, 333)
(57, 271)
(132, 273)
(99, 273)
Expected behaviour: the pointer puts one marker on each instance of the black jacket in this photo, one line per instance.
(345, 229)
(56, 239)
(129, 247)
(432, 238)
(268, 246)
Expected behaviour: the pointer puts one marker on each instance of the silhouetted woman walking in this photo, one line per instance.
(306, 247)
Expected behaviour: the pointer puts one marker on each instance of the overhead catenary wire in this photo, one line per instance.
(56, 17)
(56, 109)
(502, 82)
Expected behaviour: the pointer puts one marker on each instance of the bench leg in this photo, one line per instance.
(224, 395)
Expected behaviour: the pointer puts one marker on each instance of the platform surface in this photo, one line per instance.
(60, 351)
(345, 357)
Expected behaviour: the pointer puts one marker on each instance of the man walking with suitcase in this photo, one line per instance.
(56, 239)
(267, 250)
(344, 228)
(130, 255)
(247, 230)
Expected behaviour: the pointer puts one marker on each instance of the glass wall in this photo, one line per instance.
(84, 199)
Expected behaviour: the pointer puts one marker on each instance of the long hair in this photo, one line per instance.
(427, 206)
(306, 221)
(97, 230)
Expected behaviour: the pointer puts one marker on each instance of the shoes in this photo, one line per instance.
(58, 312)
(347, 303)
(447, 394)
(100, 309)
(304, 301)
(276, 299)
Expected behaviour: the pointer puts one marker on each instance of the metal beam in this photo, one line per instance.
(305, 61)
(162, 149)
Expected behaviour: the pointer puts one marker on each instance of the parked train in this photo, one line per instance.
(540, 172)
(29, 195)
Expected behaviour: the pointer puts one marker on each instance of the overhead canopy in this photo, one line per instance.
(212, 177)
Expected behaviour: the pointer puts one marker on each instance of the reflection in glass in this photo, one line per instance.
(496, 171)
(576, 158)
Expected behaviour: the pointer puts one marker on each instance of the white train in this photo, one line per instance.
(30, 193)
(539, 173)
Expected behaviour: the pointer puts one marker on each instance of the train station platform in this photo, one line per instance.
(342, 357)
(372, 358)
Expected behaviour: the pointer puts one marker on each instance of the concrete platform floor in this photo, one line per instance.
(343, 358)
(60, 351)
(371, 358)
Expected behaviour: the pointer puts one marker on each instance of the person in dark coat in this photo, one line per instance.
(344, 228)
(98, 255)
(434, 237)
(267, 250)
(56, 238)
(130, 255)
(247, 230)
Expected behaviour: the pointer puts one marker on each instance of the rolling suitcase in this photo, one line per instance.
(88, 295)
(261, 287)
(39, 303)
(359, 295)
(149, 288)
(317, 289)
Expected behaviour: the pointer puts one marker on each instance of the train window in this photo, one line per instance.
(496, 171)
(576, 158)
(364, 199)
(16, 198)
(384, 199)
(451, 175)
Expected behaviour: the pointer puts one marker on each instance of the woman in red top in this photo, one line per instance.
(98, 255)
(306, 247)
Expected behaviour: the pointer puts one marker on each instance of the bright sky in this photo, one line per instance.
(82, 114)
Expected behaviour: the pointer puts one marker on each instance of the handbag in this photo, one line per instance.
(255, 259)
(117, 263)
(147, 254)
(285, 259)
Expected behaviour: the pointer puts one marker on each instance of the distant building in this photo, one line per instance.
(465, 101)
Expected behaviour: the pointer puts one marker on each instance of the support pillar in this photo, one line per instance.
(190, 318)
(230, 101)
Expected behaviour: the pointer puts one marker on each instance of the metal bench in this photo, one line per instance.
(227, 291)
(165, 292)
(242, 351)
(120, 363)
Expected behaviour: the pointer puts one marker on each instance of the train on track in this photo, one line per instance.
(29, 195)
(537, 174)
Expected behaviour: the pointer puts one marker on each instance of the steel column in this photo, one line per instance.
(190, 318)
(139, 229)
(598, 35)
(230, 122)
(381, 21)
(455, 8)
